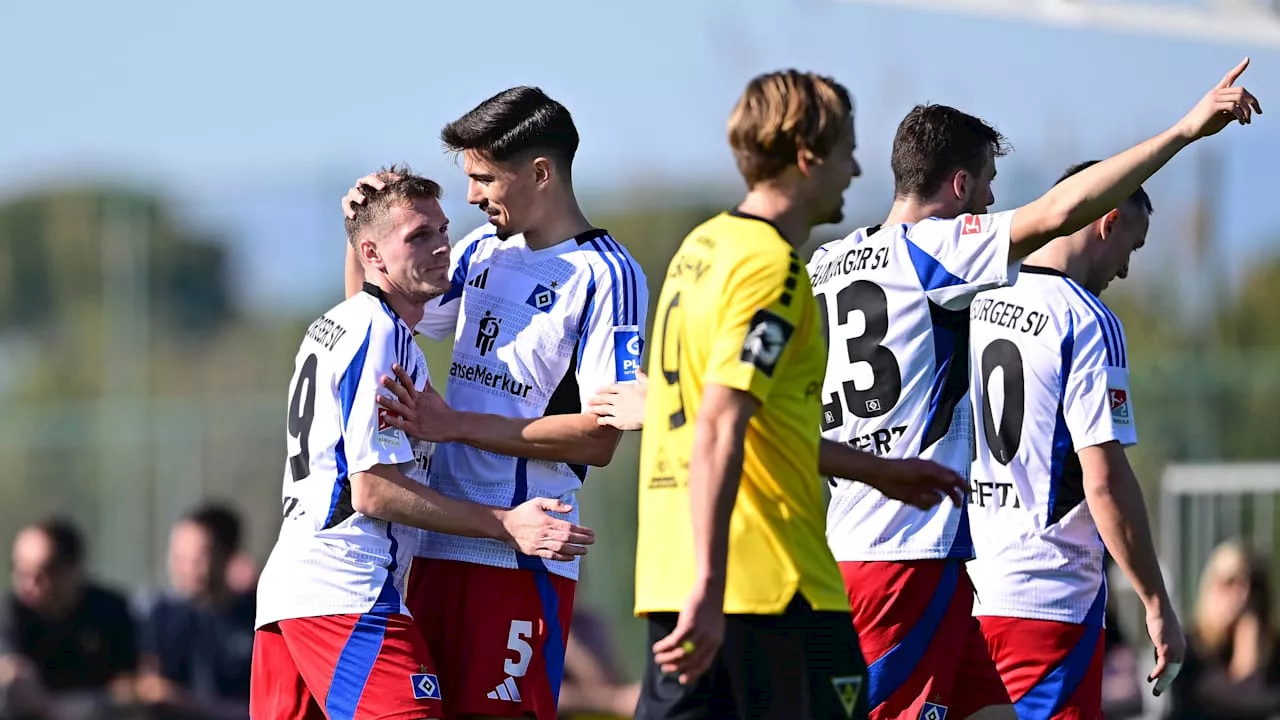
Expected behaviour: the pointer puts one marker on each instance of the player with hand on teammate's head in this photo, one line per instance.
(897, 298)
(1053, 488)
(543, 309)
(747, 617)
(334, 638)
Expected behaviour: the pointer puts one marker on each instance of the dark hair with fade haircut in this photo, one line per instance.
(782, 113)
(402, 187)
(516, 122)
(222, 523)
(934, 141)
(1140, 198)
(66, 538)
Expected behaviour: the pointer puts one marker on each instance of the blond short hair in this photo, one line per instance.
(782, 114)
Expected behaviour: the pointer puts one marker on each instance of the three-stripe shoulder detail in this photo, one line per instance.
(622, 273)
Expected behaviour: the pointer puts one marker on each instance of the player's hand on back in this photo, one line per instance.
(422, 414)
(621, 405)
(1170, 647)
(1225, 103)
(534, 531)
(922, 483)
(354, 197)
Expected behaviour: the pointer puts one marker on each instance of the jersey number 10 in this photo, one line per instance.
(1004, 439)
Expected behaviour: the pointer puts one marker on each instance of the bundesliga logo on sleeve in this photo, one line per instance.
(387, 433)
(1119, 406)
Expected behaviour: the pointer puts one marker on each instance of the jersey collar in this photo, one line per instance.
(376, 291)
(1041, 270)
(748, 216)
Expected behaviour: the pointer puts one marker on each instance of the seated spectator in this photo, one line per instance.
(197, 638)
(1232, 671)
(67, 645)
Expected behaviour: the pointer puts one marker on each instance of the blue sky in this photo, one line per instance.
(255, 117)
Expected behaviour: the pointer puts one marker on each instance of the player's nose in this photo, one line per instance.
(474, 194)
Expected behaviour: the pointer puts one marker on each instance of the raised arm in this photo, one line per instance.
(1090, 194)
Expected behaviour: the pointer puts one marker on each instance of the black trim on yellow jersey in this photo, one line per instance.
(748, 216)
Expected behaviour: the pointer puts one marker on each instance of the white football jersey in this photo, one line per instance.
(895, 300)
(330, 559)
(1050, 377)
(536, 332)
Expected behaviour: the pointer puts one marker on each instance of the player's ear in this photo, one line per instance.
(806, 161)
(1107, 222)
(541, 171)
(960, 183)
(367, 250)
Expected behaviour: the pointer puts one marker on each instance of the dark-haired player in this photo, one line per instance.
(544, 309)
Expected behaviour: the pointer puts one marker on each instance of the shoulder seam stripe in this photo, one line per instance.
(1106, 324)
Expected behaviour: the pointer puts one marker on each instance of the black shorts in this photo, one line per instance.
(801, 665)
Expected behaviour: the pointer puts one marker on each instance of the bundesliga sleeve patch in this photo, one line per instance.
(972, 225)
(1120, 410)
(766, 339)
(627, 349)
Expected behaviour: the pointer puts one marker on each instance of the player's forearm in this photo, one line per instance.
(384, 493)
(353, 272)
(841, 461)
(578, 439)
(1091, 193)
(1116, 504)
(715, 471)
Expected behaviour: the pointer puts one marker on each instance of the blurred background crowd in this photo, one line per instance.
(169, 225)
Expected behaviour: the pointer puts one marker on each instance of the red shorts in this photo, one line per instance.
(924, 649)
(501, 633)
(343, 667)
(1053, 669)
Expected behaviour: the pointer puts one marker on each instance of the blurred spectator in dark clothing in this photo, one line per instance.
(1121, 692)
(1232, 670)
(197, 638)
(67, 645)
(593, 685)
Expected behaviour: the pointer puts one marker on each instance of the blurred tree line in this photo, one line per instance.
(1207, 389)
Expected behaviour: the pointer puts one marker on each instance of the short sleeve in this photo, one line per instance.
(958, 258)
(611, 339)
(369, 439)
(1097, 402)
(764, 301)
(440, 316)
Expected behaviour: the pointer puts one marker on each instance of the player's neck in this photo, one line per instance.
(788, 215)
(913, 210)
(1060, 256)
(409, 311)
(565, 223)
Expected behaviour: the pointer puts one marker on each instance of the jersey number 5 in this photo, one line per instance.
(1005, 439)
(886, 375)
